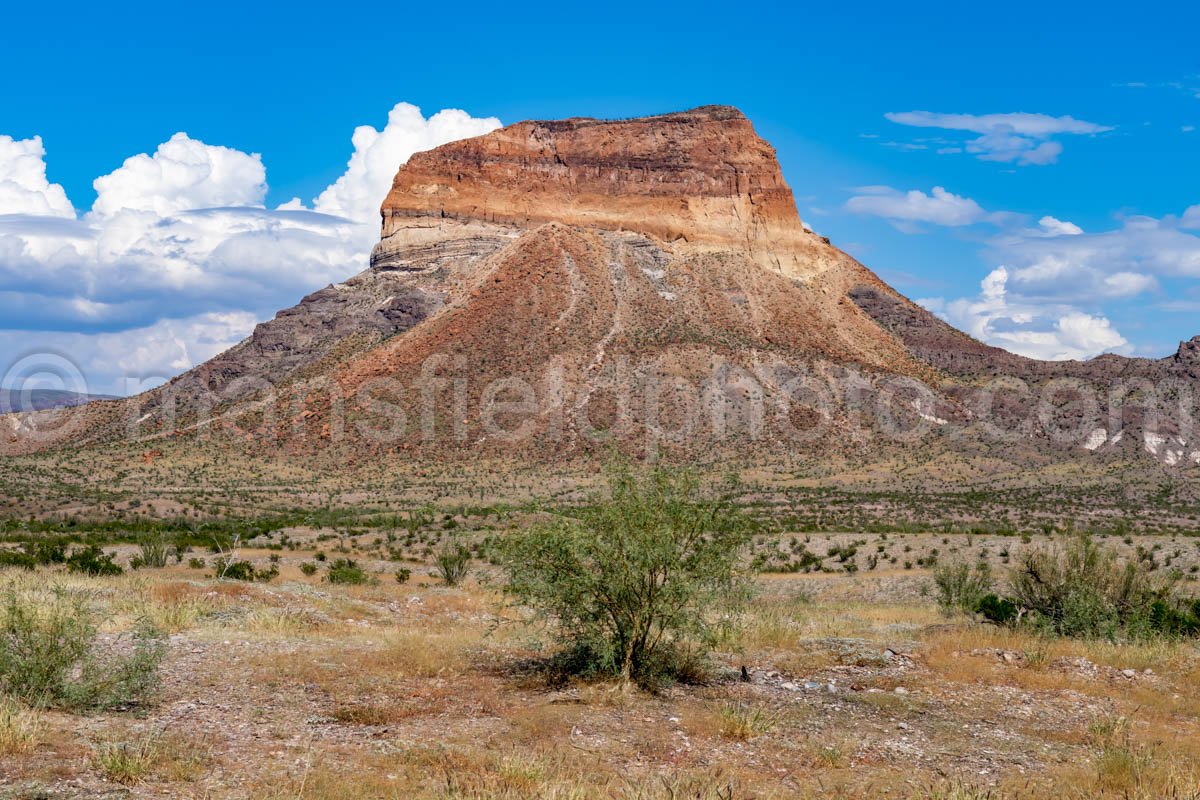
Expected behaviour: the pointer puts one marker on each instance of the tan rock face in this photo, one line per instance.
(701, 178)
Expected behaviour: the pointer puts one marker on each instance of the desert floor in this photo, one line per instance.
(859, 686)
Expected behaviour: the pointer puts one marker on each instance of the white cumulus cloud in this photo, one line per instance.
(1048, 297)
(1050, 332)
(1057, 227)
(178, 257)
(1040, 126)
(1053, 282)
(129, 361)
(940, 207)
(358, 194)
(183, 174)
(1021, 138)
(24, 188)
(1076, 263)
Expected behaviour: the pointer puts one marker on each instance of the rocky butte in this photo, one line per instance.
(554, 286)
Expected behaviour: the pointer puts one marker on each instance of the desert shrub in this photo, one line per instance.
(92, 560)
(308, 568)
(346, 571)
(1176, 619)
(232, 569)
(403, 574)
(960, 586)
(49, 655)
(637, 583)
(417, 519)
(1083, 589)
(13, 558)
(153, 551)
(999, 610)
(196, 563)
(1079, 589)
(452, 563)
(47, 551)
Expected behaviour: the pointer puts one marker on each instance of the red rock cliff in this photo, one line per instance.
(702, 178)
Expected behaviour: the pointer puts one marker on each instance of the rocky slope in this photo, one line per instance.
(553, 286)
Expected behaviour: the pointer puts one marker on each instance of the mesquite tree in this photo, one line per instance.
(636, 580)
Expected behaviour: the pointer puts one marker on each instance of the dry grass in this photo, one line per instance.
(408, 691)
(417, 654)
(20, 727)
(746, 721)
(176, 607)
(834, 753)
(287, 622)
(949, 655)
(130, 757)
(127, 761)
(438, 773)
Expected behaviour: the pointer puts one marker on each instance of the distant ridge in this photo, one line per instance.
(12, 401)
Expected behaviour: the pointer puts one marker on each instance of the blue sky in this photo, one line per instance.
(1075, 216)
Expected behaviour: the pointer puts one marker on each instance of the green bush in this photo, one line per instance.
(1086, 590)
(346, 571)
(47, 551)
(403, 574)
(49, 656)
(308, 568)
(453, 562)
(960, 586)
(639, 585)
(92, 560)
(1179, 619)
(13, 558)
(231, 569)
(1078, 589)
(999, 610)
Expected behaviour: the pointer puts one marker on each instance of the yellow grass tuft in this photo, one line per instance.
(20, 727)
